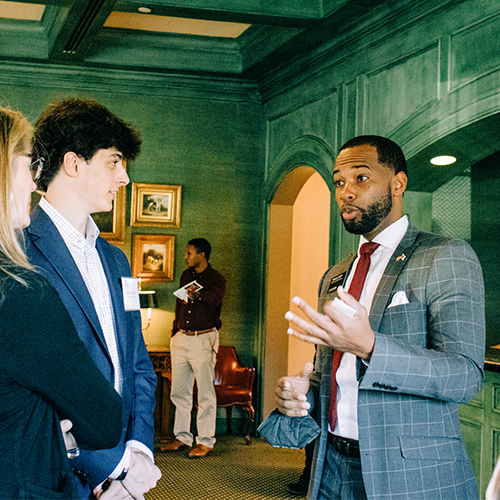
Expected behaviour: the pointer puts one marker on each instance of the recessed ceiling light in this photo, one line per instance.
(144, 10)
(443, 160)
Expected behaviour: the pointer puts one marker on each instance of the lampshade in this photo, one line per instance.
(148, 299)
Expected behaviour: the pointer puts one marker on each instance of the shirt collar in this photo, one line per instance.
(205, 271)
(391, 236)
(66, 228)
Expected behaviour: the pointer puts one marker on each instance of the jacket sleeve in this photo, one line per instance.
(38, 329)
(434, 346)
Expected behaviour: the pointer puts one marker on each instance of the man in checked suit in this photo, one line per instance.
(81, 146)
(413, 347)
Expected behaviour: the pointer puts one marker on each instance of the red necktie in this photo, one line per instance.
(355, 289)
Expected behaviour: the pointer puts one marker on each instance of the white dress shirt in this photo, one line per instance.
(347, 392)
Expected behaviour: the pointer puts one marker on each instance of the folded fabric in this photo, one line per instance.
(288, 432)
(399, 299)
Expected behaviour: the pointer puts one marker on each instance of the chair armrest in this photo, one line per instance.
(242, 376)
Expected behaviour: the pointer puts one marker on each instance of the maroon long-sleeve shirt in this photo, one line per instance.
(202, 313)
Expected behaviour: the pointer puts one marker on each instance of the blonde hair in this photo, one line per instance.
(16, 135)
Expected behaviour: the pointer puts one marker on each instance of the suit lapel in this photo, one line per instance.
(396, 264)
(48, 240)
(332, 279)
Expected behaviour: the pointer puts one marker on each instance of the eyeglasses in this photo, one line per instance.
(36, 167)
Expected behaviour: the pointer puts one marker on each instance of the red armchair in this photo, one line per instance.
(233, 386)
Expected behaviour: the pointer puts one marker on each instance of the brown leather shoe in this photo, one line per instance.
(175, 445)
(200, 451)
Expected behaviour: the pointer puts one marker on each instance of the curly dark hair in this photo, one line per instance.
(389, 153)
(84, 127)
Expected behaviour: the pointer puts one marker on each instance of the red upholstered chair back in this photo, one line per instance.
(233, 384)
(229, 371)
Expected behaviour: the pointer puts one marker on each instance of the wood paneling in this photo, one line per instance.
(480, 422)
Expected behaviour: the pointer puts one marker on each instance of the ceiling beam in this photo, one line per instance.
(290, 13)
(82, 24)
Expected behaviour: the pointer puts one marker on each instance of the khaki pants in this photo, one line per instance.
(194, 357)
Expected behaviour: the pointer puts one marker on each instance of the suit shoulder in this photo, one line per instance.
(432, 240)
(439, 249)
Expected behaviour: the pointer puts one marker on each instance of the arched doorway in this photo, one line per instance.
(298, 255)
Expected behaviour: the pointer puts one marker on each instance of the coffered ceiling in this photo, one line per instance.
(242, 38)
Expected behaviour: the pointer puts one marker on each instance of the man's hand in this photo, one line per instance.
(69, 439)
(115, 491)
(335, 329)
(291, 393)
(142, 475)
(192, 294)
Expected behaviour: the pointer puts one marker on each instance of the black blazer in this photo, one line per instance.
(46, 374)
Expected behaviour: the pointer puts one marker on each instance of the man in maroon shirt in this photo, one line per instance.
(193, 349)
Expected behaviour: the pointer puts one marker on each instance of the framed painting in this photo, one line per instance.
(155, 205)
(153, 257)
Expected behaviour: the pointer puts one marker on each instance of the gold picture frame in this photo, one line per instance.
(153, 257)
(155, 205)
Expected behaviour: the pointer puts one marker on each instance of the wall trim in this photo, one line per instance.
(128, 82)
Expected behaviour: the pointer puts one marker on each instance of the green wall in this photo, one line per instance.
(485, 178)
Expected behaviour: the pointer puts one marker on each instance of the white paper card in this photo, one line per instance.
(343, 307)
(130, 288)
(182, 293)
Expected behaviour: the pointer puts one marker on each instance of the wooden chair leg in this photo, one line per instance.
(168, 411)
(229, 419)
(251, 418)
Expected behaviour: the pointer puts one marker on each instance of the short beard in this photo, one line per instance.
(371, 217)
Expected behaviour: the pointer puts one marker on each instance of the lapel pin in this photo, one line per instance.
(402, 257)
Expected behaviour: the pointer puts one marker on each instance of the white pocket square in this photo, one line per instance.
(399, 299)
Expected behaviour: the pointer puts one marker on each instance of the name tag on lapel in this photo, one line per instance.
(130, 288)
(335, 282)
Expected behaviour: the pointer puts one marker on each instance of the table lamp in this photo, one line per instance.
(148, 301)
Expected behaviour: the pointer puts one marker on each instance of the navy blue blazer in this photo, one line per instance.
(48, 252)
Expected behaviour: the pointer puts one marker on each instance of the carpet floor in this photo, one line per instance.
(233, 470)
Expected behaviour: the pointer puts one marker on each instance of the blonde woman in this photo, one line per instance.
(46, 373)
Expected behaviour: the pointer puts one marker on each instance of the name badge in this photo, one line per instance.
(130, 288)
(335, 282)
